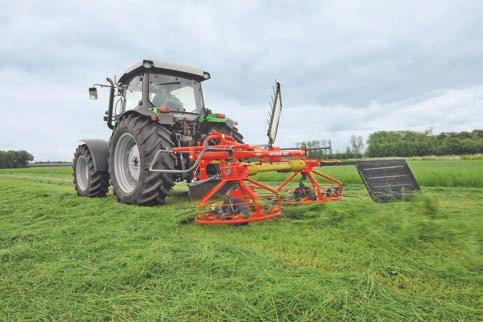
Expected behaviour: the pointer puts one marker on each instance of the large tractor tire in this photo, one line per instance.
(87, 181)
(133, 145)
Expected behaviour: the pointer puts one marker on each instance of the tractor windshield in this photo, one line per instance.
(176, 93)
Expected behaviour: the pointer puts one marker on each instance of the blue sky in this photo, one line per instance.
(346, 67)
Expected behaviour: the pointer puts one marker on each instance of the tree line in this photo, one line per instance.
(412, 143)
(400, 144)
(15, 159)
(379, 144)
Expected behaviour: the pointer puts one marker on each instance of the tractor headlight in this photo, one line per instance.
(148, 64)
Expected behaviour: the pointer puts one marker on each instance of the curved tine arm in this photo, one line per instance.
(327, 177)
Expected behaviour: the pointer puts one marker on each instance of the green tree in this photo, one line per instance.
(15, 159)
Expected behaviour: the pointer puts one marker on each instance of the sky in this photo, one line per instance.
(346, 67)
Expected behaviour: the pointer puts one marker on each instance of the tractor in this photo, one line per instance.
(153, 105)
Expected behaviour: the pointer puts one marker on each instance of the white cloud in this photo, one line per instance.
(451, 110)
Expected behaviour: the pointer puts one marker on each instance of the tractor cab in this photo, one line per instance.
(158, 87)
(169, 94)
(163, 86)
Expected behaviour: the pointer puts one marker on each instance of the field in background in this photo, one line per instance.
(430, 173)
(477, 156)
(63, 257)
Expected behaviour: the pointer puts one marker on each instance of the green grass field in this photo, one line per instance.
(63, 257)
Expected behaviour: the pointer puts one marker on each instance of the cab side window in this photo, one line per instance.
(133, 94)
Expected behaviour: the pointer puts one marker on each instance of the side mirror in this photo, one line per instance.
(92, 93)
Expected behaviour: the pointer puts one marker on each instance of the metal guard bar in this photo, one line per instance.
(190, 169)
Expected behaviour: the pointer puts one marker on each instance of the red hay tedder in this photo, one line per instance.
(222, 170)
(245, 199)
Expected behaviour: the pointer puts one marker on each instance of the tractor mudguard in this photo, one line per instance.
(230, 124)
(216, 118)
(99, 150)
(164, 119)
(225, 125)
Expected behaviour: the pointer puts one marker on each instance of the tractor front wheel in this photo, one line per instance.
(133, 145)
(87, 181)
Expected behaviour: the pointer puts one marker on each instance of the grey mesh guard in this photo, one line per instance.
(387, 180)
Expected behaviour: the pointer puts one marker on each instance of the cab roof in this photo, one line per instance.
(163, 67)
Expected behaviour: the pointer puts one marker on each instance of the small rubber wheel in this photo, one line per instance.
(235, 206)
(312, 195)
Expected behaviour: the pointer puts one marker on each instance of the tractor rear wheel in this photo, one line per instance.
(87, 181)
(133, 145)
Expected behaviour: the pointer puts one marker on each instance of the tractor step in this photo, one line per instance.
(387, 180)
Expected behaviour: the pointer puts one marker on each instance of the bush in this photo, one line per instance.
(15, 159)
